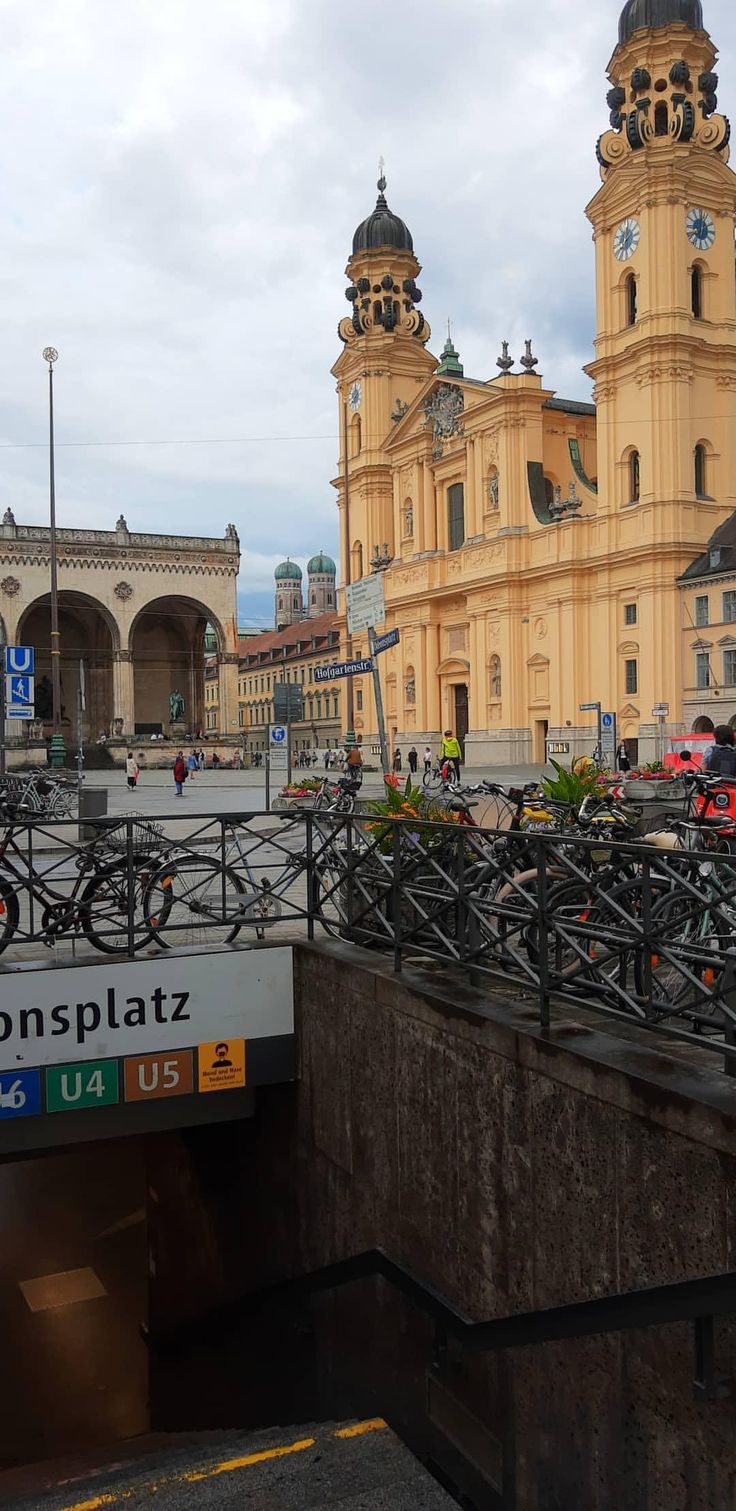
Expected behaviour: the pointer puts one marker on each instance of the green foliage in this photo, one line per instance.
(571, 786)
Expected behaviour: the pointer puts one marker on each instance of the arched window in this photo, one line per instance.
(703, 726)
(697, 292)
(495, 674)
(355, 436)
(281, 602)
(634, 477)
(661, 120)
(701, 461)
(631, 300)
(314, 598)
(329, 598)
(296, 601)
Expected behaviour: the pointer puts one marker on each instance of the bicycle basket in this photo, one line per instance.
(145, 833)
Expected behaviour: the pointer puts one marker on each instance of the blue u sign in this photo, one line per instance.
(20, 1093)
(19, 660)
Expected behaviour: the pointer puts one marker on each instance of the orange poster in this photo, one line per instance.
(222, 1065)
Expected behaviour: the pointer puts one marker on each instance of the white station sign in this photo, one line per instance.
(50, 1016)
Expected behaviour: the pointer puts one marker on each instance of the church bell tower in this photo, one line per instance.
(382, 367)
(663, 221)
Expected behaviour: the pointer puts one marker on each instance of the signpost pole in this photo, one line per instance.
(379, 700)
(267, 764)
(2, 711)
(288, 734)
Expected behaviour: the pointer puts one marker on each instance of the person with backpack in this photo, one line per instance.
(721, 760)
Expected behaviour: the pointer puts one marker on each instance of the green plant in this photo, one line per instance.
(409, 802)
(572, 786)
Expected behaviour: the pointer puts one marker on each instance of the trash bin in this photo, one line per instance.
(92, 804)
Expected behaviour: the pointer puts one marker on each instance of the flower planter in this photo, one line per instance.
(654, 790)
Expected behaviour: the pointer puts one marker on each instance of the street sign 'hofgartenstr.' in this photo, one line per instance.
(342, 669)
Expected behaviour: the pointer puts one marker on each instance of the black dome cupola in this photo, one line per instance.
(382, 228)
(638, 14)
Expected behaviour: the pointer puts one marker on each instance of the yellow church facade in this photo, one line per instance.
(530, 546)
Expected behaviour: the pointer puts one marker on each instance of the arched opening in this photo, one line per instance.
(696, 292)
(661, 119)
(167, 651)
(700, 459)
(631, 300)
(703, 726)
(356, 562)
(355, 436)
(634, 477)
(87, 633)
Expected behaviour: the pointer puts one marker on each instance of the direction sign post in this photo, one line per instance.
(366, 604)
(608, 740)
(595, 708)
(378, 695)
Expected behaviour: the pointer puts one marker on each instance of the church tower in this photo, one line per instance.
(665, 368)
(380, 371)
(288, 605)
(321, 579)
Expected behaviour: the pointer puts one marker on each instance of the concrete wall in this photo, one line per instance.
(512, 1170)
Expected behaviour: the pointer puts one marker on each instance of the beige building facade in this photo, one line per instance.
(134, 608)
(532, 546)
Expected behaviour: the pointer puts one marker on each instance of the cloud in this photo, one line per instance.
(181, 185)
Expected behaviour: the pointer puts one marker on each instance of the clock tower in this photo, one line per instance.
(663, 223)
(380, 371)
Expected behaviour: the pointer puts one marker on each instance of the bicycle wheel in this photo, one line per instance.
(681, 981)
(193, 903)
(432, 780)
(9, 914)
(103, 909)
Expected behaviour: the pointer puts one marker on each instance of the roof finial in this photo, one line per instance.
(381, 175)
(449, 328)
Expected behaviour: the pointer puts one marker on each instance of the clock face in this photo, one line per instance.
(626, 240)
(701, 229)
(355, 396)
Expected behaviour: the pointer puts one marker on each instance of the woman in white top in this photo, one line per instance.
(131, 769)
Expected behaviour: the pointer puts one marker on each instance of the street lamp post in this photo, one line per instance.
(57, 751)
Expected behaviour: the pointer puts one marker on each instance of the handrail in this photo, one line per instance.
(678, 1301)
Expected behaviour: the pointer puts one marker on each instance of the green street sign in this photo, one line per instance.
(93, 1084)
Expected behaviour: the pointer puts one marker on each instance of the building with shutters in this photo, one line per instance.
(532, 546)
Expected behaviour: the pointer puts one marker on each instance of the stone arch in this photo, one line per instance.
(88, 632)
(703, 726)
(166, 649)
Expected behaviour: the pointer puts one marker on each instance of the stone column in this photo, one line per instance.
(123, 694)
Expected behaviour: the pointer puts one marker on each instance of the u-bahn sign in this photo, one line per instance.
(128, 1031)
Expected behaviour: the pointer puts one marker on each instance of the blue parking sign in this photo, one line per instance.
(20, 1093)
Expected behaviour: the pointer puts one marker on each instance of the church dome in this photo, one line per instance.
(382, 228)
(638, 14)
(321, 564)
(288, 569)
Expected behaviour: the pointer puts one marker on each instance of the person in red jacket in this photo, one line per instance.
(180, 774)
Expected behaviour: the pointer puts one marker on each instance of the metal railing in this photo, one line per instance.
(642, 935)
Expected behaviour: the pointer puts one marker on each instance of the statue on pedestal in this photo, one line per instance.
(176, 707)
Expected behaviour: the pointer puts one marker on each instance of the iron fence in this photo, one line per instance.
(643, 935)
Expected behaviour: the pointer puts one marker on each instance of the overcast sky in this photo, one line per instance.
(181, 182)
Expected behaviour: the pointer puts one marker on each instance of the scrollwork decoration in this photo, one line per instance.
(443, 411)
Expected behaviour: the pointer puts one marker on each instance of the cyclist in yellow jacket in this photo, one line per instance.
(451, 752)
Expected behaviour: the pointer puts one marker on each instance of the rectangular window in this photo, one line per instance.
(359, 701)
(630, 613)
(335, 710)
(702, 669)
(702, 611)
(632, 676)
(455, 516)
(729, 668)
(729, 608)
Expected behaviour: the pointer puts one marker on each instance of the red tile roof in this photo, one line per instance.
(271, 645)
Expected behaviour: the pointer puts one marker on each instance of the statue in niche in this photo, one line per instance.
(411, 691)
(176, 706)
(495, 678)
(409, 519)
(493, 489)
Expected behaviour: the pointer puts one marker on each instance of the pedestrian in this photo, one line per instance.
(131, 770)
(397, 760)
(413, 760)
(354, 764)
(200, 760)
(427, 760)
(314, 756)
(451, 752)
(327, 760)
(721, 760)
(180, 773)
(192, 763)
(622, 759)
(215, 761)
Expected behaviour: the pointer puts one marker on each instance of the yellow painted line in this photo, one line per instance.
(228, 1466)
(376, 1424)
(225, 1466)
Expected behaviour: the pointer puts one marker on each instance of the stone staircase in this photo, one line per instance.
(358, 1466)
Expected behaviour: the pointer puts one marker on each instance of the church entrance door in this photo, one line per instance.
(461, 714)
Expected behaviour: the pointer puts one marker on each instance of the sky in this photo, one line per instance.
(180, 187)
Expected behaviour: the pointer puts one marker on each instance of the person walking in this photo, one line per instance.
(622, 759)
(192, 763)
(451, 752)
(180, 773)
(413, 760)
(131, 770)
(327, 760)
(397, 760)
(427, 760)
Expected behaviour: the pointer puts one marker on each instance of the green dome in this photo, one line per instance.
(288, 569)
(321, 563)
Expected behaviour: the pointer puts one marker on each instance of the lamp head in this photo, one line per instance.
(50, 355)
